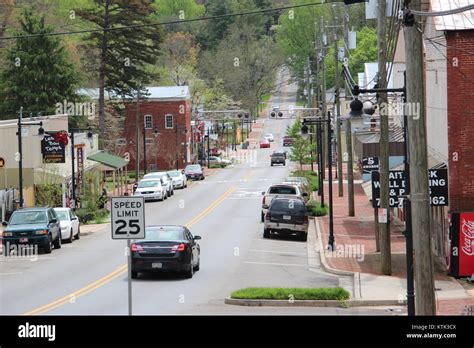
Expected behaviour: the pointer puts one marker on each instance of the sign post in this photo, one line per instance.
(128, 222)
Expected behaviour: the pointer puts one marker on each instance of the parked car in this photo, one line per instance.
(32, 226)
(286, 216)
(178, 178)
(277, 158)
(269, 137)
(166, 181)
(264, 144)
(151, 189)
(287, 141)
(166, 248)
(69, 224)
(218, 160)
(300, 181)
(194, 171)
(281, 190)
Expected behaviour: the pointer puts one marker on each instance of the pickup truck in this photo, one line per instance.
(277, 158)
(280, 190)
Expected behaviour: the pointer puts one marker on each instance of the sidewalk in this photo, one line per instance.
(356, 252)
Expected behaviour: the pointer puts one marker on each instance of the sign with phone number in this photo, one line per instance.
(128, 217)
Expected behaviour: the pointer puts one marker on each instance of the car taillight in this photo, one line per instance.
(263, 201)
(179, 247)
(267, 216)
(136, 247)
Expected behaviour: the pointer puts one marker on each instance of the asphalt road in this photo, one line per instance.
(89, 276)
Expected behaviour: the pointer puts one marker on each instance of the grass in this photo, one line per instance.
(317, 210)
(312, 178)
(291, 293)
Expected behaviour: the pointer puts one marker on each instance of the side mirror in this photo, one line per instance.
(74, 218)
(197, 237)
(4, 223)
(263, 193)
(182, 172)
(53, 221)
(265, 206)
(305, 194)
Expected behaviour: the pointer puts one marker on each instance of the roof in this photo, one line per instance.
(458, 21)
(161, 92)
(395, 135)
(108, 160)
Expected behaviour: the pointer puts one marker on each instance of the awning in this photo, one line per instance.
(111, 162)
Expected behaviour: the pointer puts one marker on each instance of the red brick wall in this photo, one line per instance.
(461, 119)
(162, 152)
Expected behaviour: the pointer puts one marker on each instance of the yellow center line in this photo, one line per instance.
(122, 269)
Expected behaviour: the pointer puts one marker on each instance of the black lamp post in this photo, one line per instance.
(185, 131)
(20, 150)
(304, 133)
(90, 137)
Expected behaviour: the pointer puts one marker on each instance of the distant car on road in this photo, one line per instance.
(166, 181)
(281, 190)
(178, 178)
(286, 216)
(194, 171)
(288, 141)
(269, 137)
(32, 226)
(69, 224)
(264, 144)
(218, 160)
(166, 248)
(277, 158)
(151, 189)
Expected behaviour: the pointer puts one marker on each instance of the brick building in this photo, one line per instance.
(166, 111)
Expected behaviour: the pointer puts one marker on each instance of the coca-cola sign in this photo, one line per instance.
(467, 237)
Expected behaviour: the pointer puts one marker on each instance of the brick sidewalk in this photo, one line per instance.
(358, 234)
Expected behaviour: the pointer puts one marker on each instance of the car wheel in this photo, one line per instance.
(198, 264)
(78, 235)
(189, 274)
(134, 274)
(58, 242)
(271, 164)
(48, 247)
(71, 237)
(262, 217)
(266, 233)
(304, 237)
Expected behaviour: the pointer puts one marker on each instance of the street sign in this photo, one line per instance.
(438, 183)
(128, 218)
(53, 149)
(369, 164)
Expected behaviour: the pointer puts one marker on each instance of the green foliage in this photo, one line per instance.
(312, 178)
(366, 50)
(315, 208)
(337, 293)
(301, 149)
(48, 195)
(38, 72)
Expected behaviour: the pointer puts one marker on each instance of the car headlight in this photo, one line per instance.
(64, 228)
(7, 234)
(158, 191)
(41, 232)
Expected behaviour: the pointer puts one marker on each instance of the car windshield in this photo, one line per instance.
(28, 217)
(174, 174)
(287, 205)
(283, 190)
(164, 234)
(193, 167)
(149, 183)
(63, 215)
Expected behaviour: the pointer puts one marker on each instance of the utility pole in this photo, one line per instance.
(137, 136)
(338, 114)
(418, 159)
(323, 89)
(384, 226)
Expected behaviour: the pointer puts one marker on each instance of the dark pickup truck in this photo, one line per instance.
(278, 158)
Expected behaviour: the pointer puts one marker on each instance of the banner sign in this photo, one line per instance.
(438, 183)
(369, 164)
(53, 149)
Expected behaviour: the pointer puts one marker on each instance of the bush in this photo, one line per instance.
(85, 216)
(315, 209)
(218, 165)
(312, 178)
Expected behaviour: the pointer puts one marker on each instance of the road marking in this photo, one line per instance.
(12, 273)
(278, 252)
(276, 264)
(122, 269)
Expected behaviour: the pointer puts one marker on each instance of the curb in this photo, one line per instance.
(311, 303)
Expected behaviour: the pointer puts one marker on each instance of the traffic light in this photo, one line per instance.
(280, 114)
(273, 114)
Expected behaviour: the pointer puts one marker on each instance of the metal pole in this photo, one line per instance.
(20, 161)
(73, 170)
(321, 160)
(408, 224)
(350, 169)
(208, 147)
(311, 147)
(137, 138)
(338, 124)
(129, 259)
(144, 148)
(177, 148)
(331, 216)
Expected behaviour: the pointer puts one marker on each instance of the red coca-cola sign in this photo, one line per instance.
(466, 243)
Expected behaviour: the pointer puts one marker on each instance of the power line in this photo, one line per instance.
(168, 22)
(443, 13)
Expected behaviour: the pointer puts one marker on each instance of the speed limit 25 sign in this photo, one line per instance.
(128, 218)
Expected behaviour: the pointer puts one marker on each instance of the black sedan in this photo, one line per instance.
(166, 248)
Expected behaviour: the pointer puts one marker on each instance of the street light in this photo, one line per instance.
(90, 138)
(185, 131)
(20, 150)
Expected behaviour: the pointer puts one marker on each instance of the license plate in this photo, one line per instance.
(23, 240)
(156, 265)
(286, 217)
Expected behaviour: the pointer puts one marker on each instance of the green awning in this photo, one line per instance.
(108, 160)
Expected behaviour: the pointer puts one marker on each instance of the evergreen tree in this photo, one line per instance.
(38, 72)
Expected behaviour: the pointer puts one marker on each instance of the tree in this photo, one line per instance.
(301, 149)
(123, 56)
(38, 72)
(166, 11)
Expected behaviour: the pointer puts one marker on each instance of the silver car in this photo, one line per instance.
(151, 189)
(178, 178)
(166, 181)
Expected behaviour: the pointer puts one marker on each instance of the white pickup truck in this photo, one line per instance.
(280, 190)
